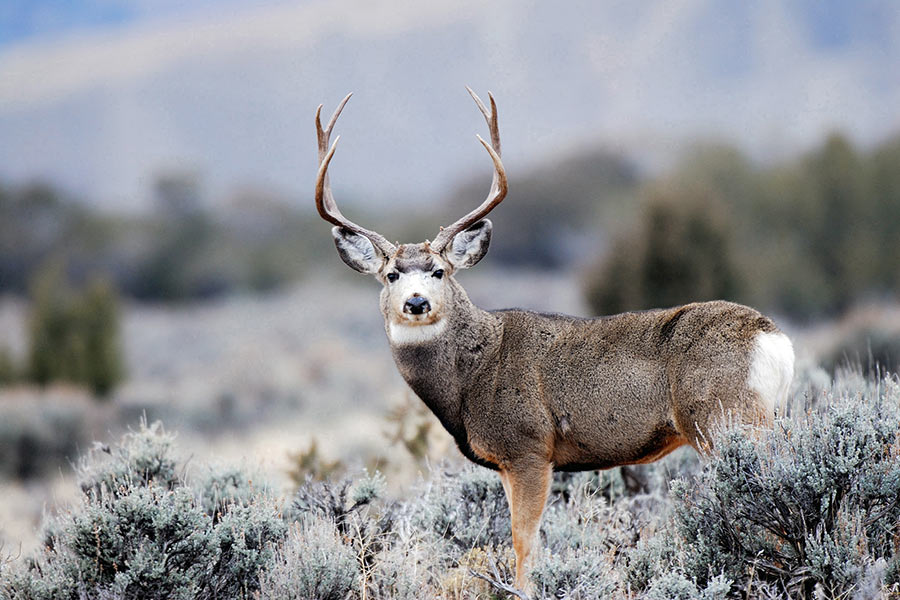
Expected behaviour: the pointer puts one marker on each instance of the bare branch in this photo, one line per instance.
(497, 583)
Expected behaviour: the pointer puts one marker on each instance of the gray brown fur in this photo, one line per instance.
(525, 393)
(511, 383)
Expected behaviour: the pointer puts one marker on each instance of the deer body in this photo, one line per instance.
(526, 393)
(512, 383)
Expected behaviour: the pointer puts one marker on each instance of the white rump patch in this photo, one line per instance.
(771, 369)
(415, 334)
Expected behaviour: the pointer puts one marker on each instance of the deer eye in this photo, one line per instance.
(392, 277)
(438, 274)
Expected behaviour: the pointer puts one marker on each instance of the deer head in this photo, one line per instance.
(419, 287)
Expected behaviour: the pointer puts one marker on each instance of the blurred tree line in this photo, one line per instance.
(806, 237)
(182, 250)
(73, 335)
(73, 263)
(555, 211)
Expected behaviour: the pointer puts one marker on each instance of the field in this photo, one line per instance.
(247, 380)
(198, 400)
(217, 492)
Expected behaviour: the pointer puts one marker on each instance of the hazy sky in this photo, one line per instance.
(46, 20)
(101, 96)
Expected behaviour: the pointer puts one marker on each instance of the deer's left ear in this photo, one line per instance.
(469, 246)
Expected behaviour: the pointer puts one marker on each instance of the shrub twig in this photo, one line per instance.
(497, 579)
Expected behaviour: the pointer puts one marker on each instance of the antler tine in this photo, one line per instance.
(325, 203)
(325, 134)
(499, 184)
(489, 116)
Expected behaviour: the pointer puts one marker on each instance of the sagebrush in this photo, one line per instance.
(810, 509)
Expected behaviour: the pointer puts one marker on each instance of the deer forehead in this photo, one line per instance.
(411, 258)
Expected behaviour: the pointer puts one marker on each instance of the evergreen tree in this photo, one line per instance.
(74, 336)
(680, 253)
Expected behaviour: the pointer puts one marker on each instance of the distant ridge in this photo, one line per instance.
(231, 94)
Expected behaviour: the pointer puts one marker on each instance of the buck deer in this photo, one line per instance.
(526, 393)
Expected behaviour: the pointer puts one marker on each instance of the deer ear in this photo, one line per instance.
(469, 246)
(357, 251)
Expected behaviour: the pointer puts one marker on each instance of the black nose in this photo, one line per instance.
(416, 305)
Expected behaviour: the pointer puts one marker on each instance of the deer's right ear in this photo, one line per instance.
(469, 246)
(357, 251)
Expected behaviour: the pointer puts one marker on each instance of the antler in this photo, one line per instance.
(325, 203)
(498, 183)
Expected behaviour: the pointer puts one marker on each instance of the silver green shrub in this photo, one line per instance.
(675, 586)
(467, 509)
(221, 489)
(140, 532)
(809, 510)
(312, 564)
(406, 569)
(245, 538)
(574, 573)
(143, 457)
(338, 502)
(813, 510)
(580, 529)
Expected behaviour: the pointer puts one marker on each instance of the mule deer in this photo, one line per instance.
(526, 393)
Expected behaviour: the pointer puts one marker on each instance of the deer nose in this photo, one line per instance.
(416, 305)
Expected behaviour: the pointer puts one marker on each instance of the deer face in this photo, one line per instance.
(418, 281)
(415, 283)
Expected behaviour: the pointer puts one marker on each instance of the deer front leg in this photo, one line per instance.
(527, 484)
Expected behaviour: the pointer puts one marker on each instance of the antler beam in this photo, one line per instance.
(499, 185)
(325, 202)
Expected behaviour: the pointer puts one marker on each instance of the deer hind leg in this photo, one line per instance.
(527, 485)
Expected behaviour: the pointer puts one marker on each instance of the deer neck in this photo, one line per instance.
(458, 355)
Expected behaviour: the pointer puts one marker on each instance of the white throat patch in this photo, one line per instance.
(401, 334)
